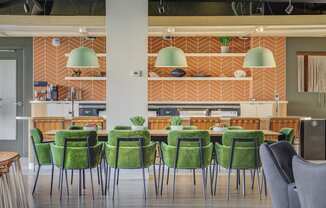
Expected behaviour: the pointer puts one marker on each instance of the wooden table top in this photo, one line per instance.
(164, 133)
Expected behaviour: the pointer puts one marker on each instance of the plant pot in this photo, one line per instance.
(225, 49)
(137, 128)
(176, 128)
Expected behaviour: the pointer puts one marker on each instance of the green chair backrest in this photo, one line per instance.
(115, 134)
(37, 135)
(60, 137)
(73, 127)
(173, 136)
(288, 134)
(229, 135)
(122, 128)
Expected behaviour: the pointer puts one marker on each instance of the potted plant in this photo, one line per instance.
(176, 123)
(225, 41)
(137, 123)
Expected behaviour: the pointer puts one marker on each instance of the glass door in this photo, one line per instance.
(8, 99)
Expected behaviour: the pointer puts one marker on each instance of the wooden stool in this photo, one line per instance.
(12, 191)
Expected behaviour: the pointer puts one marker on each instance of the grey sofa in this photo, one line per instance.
(311, 183)
(277, 164)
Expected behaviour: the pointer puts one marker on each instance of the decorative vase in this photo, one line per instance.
(178, 72)
(137, 128)
(225, 49)
(176, 128)
(239, 73)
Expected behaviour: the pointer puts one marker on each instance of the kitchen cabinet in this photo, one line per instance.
(61, 110)
(266, 109)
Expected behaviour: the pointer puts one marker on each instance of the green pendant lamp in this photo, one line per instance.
(259, 58)
(171, 57)
(82, 57)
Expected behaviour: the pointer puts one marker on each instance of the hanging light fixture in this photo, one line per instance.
(259, 57)
(171, 56)
(83, 57)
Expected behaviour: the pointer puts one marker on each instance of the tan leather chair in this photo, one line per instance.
(49, 123)
(204, 123)
(84, 120)
(159, 122)
(246, 123)
(277, 123)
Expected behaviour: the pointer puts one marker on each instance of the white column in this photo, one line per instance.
(127, 29)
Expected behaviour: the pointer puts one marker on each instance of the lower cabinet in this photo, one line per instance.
(263, 109)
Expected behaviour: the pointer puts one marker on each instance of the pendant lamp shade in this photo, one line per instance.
(171, 57)
(82, 57)
(259, 58)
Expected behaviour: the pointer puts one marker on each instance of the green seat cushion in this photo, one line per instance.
(174, 135)
(189, 157)
(129, 156)
(76, 157)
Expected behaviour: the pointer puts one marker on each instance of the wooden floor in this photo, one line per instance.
(129, 193)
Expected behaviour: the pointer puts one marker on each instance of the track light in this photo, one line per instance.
(289, 8)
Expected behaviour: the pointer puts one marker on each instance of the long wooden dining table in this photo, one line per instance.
(161, 135)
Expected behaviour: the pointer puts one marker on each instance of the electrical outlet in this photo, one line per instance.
(137, 73)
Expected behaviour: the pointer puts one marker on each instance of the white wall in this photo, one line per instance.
(127, 29)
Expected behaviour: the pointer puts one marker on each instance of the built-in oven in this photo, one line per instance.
(91, 109)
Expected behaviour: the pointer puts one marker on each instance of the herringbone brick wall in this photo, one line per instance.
(49, 65)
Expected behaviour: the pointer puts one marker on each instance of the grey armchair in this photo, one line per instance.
(310, 182)
(280, 185)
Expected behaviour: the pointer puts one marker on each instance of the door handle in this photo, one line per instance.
(19, 103)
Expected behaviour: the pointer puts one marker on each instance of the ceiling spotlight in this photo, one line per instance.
(162, 7)
(289, 8)
(260, 29)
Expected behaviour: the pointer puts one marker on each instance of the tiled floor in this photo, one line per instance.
(129, 193)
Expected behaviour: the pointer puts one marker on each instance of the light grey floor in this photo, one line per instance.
(129, 192)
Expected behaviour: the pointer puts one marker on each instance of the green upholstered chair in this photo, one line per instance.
(42, 154)
(187, 149)
(128, 149)
(240, 151)
(74, 127)
(122, 128)
(287, 134)
(76, 150)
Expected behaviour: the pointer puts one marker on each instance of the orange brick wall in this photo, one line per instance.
(49, 65)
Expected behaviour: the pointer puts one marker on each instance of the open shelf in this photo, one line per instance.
(199, 78)
(98, 54)
(208, 54)
(86, 78)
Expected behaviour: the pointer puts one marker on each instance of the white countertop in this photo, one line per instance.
(66, 101)
(215, 102)
(161, 102)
